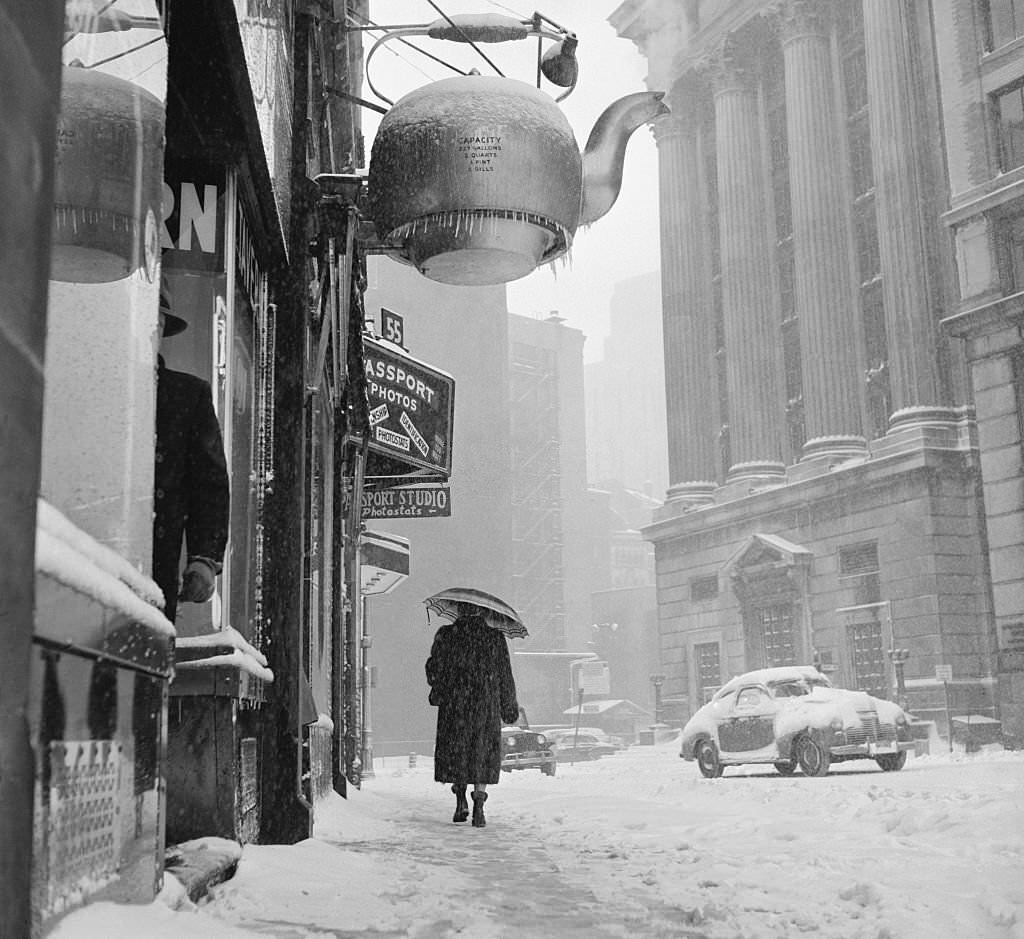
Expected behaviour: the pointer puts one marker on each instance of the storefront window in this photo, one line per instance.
(215, 282)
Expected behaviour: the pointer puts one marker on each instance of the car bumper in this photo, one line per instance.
(879, 748)
(527, 760)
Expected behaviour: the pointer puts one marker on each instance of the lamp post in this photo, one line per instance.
(657, 680)
(899, 657)
(366, 643)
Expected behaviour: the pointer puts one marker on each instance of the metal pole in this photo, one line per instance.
(949, 715)
(367, 723)
(353, 631)
(657, 680)
(576, 735)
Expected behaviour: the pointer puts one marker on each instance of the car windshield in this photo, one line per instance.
(791, 689)
(795, 689)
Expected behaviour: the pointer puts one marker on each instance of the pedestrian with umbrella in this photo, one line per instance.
(470, 676)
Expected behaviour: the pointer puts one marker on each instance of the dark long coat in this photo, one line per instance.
(191, 496)
(470, 678)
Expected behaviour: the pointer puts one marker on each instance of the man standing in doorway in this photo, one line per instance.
(191, 490)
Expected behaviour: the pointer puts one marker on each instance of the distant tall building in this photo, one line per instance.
(551, 573)
(625, 393)
(464, 331)
(825, 495)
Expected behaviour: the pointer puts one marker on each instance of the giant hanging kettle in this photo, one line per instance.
(478, 180)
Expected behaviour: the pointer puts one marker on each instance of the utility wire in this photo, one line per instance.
(110, 58)
(501, 6)
(440, 61)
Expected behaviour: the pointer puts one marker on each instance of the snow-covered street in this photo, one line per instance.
(636, 845)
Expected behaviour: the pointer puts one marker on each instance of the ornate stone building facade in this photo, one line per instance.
(827, 497)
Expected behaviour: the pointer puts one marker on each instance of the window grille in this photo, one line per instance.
(776, 622)
(857, 559)
(1005, 20)
(709, 668)
(1009, 110)
(704, 588)
(869, 658)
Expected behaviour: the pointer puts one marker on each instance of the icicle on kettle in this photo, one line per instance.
(478, 180)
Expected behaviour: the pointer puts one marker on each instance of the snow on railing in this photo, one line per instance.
(71, 557)
(51, 521)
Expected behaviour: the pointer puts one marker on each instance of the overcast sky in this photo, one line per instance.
(625, 241)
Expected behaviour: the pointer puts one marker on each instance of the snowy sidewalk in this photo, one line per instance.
(635, 845)
(419, 875)
(502, 880)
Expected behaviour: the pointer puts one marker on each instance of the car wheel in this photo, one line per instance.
(891, 762)
(786, 769)
(707, 759)
(548, 769)
(814, 759)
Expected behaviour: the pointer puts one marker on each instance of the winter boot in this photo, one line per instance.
(479, 798)
(461, 806)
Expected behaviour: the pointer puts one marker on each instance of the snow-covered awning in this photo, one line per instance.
(621, 706)
(384, 562)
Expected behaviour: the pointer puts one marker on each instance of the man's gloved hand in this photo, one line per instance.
(197, 584)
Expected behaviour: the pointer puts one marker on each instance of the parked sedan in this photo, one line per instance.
(586, 745)
(793, 717)
(522, 748)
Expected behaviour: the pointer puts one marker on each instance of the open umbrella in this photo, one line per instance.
(498, 614)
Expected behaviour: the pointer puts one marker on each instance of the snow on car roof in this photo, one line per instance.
(773, 676)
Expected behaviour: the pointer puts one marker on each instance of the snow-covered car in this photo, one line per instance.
(522, 748)
(588, 744)
(792, 716)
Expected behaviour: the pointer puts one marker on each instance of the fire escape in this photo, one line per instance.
(537, 575)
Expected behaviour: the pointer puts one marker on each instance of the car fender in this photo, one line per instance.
(785, 743)
(688, 748)
(821, 735)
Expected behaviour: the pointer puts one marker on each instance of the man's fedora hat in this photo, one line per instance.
(172, 324)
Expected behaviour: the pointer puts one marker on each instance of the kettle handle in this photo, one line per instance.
(473, 28)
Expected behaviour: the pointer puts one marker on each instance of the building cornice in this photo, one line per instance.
(985, 197)
(986, 318)
(640, 21)
(842, 483)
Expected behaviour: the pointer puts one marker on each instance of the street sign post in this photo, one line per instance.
(944, 673)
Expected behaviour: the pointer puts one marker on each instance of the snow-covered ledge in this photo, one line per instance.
(54, 524)
(222, 664)
(224, 647)
(90, 598)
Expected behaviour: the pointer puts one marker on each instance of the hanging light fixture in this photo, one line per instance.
(109, 163)
(107, 185)
(477, 180)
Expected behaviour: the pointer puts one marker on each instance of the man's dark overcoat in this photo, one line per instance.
(470, 678)
(191, 495)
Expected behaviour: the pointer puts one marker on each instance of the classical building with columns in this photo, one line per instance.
(837, 217)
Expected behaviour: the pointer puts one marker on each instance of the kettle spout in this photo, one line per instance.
(606, 149)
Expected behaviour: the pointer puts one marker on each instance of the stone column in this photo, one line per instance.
(901, 196)
(826, 295)
(690, 388)
(752, 335)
